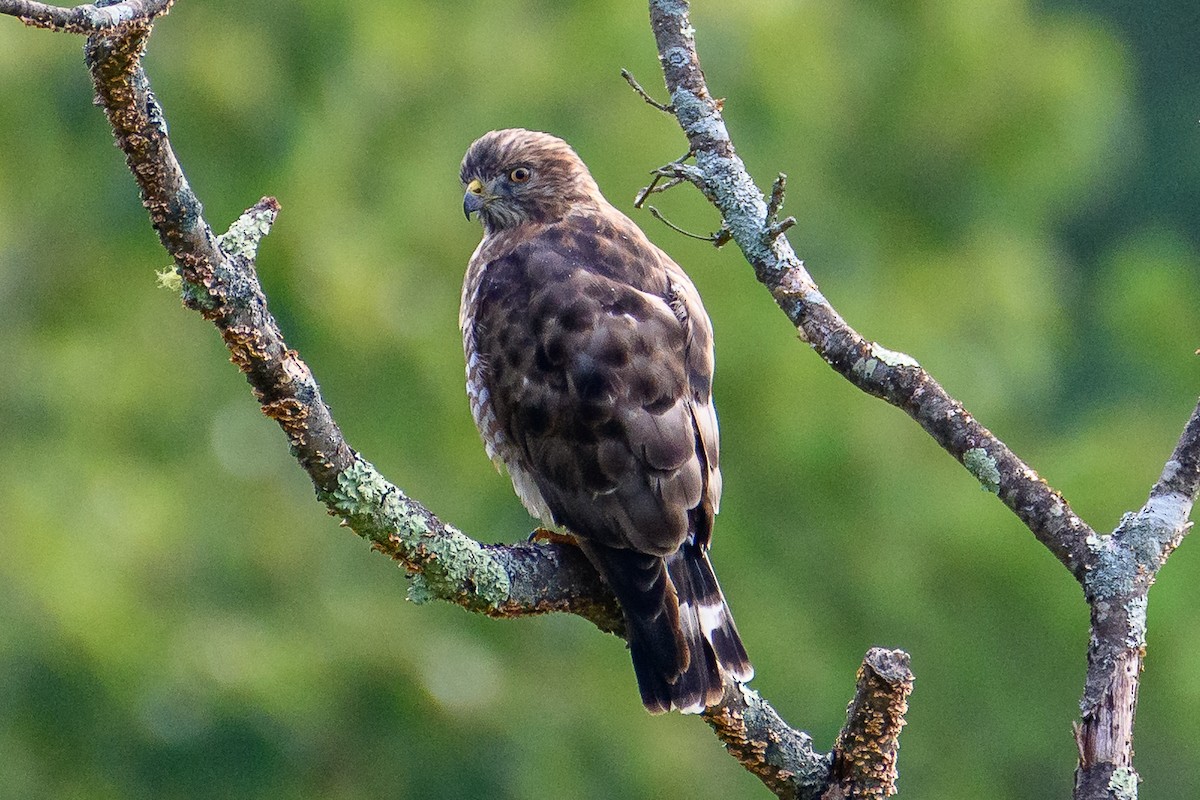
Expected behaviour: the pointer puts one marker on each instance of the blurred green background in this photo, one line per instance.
(1005, 190)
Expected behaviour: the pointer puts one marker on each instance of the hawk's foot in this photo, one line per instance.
(556, 537)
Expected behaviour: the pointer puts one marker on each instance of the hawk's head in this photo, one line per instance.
(515, 176)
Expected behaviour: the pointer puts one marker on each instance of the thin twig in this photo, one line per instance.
(777, 229)
(637, 87)
(717, 239)
(655, 188)
(674, 174)
(775, 202)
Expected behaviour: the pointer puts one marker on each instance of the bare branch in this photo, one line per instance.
(86, 19)
(717, 239)
(892, 376)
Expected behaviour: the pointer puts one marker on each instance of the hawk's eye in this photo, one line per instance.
(519, 175)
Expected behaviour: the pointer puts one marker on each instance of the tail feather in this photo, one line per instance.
(716, 623)
(681, 634)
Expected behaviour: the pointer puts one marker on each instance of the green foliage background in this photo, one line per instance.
(1007, 191)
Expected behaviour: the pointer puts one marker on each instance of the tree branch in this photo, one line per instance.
(1116, 571)
(217, 279)
(894, 377)
(1121, 570)
(864, 757)
(86, 18)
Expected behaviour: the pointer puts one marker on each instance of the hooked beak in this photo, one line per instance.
(474, 198)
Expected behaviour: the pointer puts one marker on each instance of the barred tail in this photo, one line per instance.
(681, 634)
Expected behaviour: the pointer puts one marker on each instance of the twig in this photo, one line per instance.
(778, 189)
(674, 174)
(777, 227)
(719, 238)
(637, 87)
(85, 19)
(655, 188)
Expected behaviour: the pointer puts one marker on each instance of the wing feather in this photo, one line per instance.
(599, 376)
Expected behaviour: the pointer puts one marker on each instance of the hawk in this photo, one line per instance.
(589, 374)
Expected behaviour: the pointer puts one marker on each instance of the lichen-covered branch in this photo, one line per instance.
(1116, 570)
(864, 756)
(218, 280)
(780, 756)
(91, 18)
(894, 377)
(1120, 572)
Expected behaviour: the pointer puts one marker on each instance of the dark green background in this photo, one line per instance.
(1006, 191)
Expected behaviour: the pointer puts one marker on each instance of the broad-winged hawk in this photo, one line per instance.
(589, 372)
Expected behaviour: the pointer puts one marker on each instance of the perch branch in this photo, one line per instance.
(217, 278)
(219, 281)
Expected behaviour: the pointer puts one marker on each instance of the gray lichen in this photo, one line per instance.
(1136, 609)
(243, 236)
(1123, 783)
(1150, 532)
(1112, 572)
(865, 368)
(892, 358)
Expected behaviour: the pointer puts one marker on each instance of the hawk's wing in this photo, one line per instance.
(597, 363)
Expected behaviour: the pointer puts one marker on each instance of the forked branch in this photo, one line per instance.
(1116, 570)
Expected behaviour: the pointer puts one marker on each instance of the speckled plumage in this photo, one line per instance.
(589, 373)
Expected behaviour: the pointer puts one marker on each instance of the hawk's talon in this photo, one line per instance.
(542, 535)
